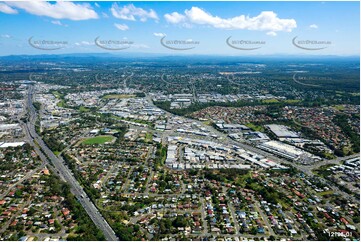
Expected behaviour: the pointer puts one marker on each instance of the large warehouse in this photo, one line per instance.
(281, 131)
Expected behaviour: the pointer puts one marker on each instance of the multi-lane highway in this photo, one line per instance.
(63, 171)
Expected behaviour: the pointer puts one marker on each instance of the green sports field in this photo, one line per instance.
(98, 140)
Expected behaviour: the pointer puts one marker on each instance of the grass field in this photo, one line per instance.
(255, 127)
(273, 100)
(61, 104)
(292, 101)
(56, 94)
(208, 122)
(118, 96)
(339, 107)
(148, 137)
(347, 150)
(325, 193)
(98, 140)
(83, 109)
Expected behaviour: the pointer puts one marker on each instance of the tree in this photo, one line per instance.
(272, 238)
(180, 221)
(253, 230)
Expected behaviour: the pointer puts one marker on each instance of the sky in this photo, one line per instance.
(205, 28)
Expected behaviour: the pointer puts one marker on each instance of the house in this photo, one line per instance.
(65, 212)
(213, 221)
(242, 214)
(293, 231)
(343, 220)
(6, 213)
(14, 223)
(46, 172)
(215, 229)
(37, 223)
(230, 230)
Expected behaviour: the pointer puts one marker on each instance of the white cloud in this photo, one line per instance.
(4, 8)
(6, 36)
(174, 17)
(313, 26)
(84, 43)
(159, 34)
(97, 5)
(57, 22)
(265, 21)
(58, 10)
(271, 33)
(130, 12)
(122, 27)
